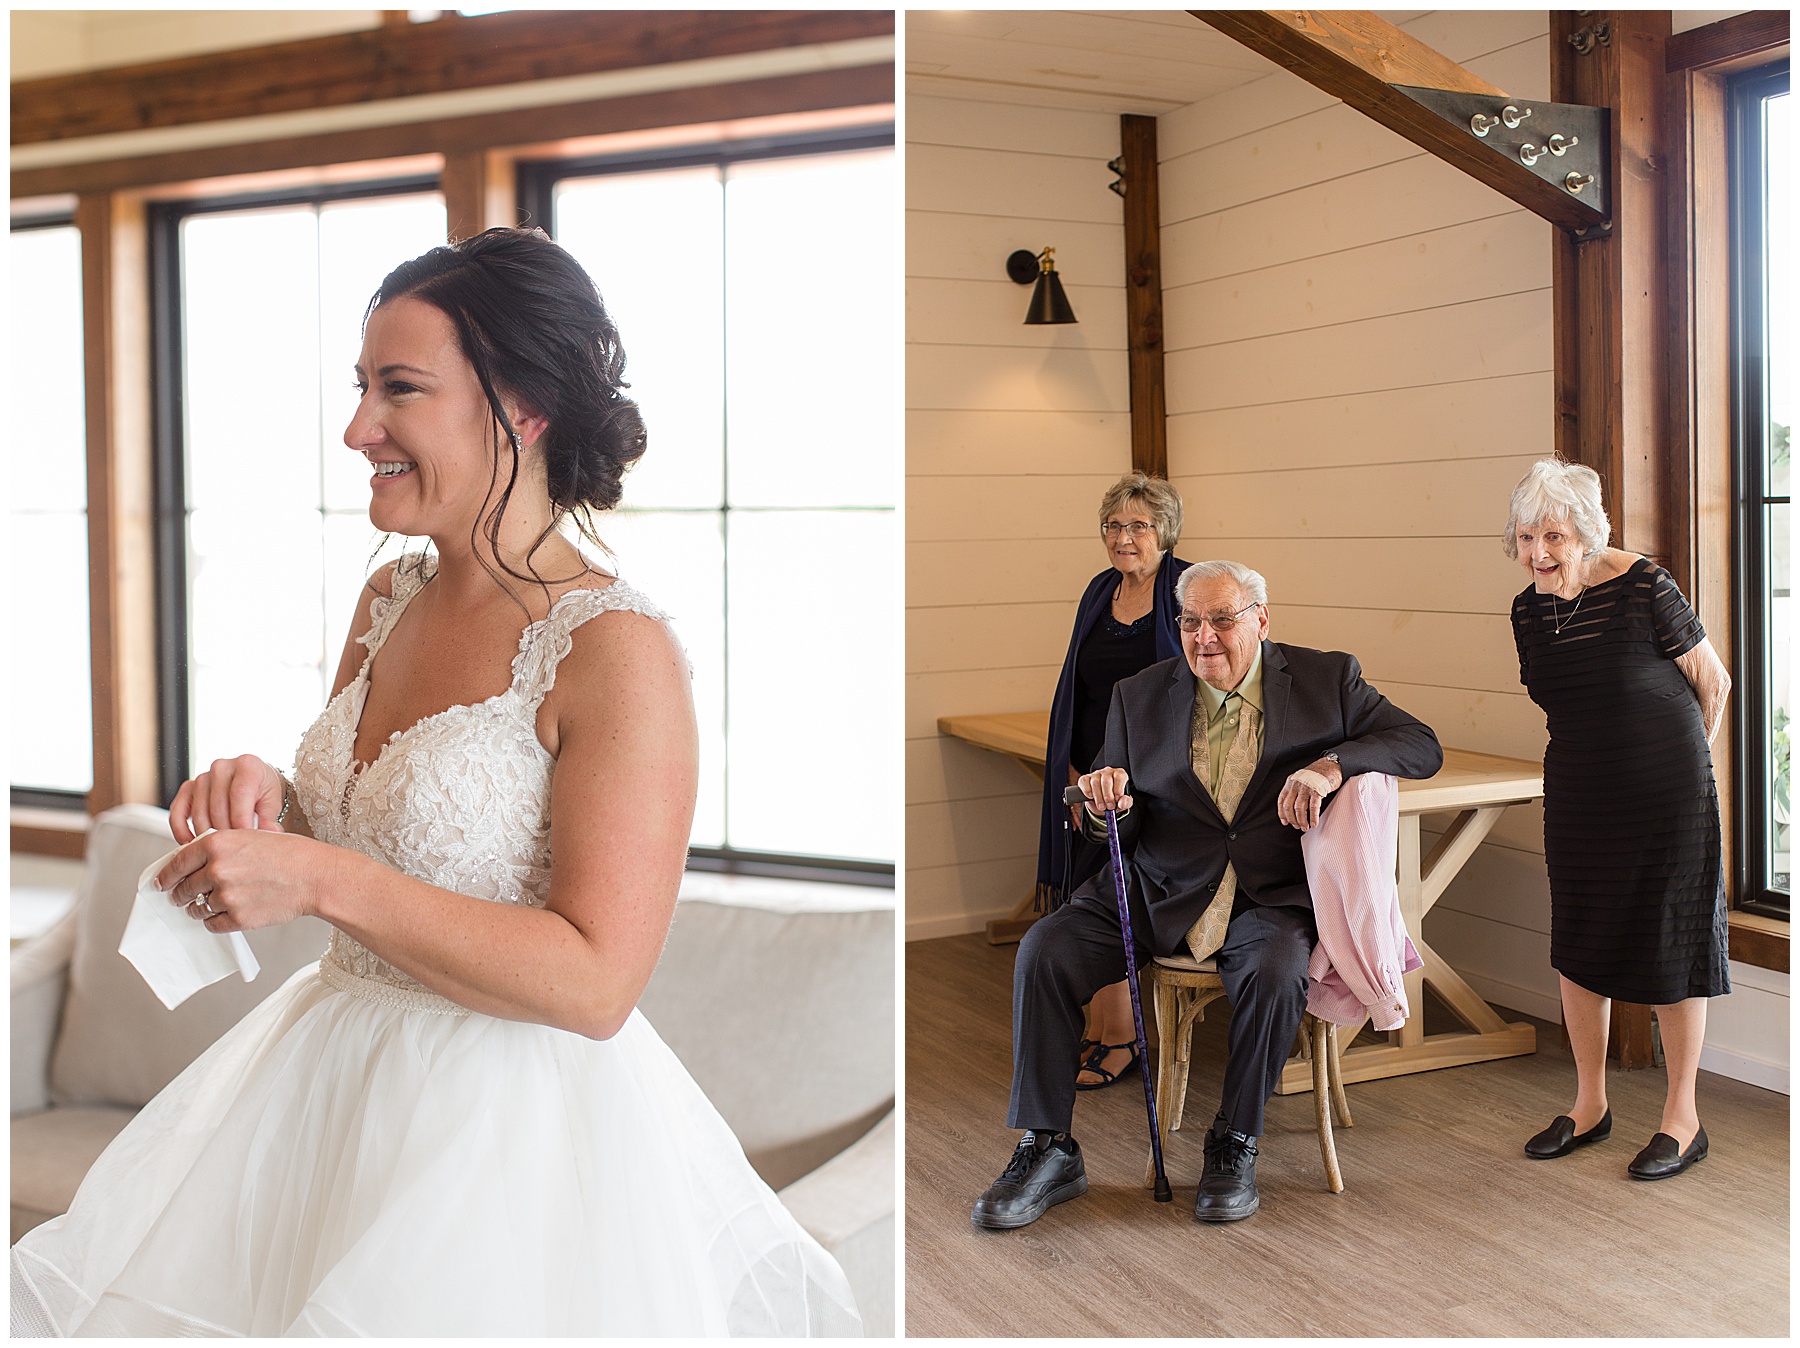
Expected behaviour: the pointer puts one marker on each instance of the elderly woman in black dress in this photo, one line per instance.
(1124, 623)
(1633, 693)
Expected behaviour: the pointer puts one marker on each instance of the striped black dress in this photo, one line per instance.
(1631, 812)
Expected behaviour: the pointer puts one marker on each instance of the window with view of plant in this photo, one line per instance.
(1765, 224)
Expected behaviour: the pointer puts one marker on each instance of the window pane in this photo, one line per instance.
(1781, 635)
(677, 558)
(49, 467)
(52, 729)
(279, 540)
(360, 242)
(1778, 147)
(810, 377)
(256, 625)
(251, 357)
(815, 685)
(653, 242)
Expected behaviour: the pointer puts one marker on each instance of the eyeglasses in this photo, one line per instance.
(1220, 622)
(1136, 529)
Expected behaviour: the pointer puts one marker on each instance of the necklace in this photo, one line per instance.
(1559, 625)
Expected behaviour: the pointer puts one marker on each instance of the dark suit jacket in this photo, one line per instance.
(1177, 843)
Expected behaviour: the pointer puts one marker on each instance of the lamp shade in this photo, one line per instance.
(1048, 303)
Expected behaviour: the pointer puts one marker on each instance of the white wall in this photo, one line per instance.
(1012, 435)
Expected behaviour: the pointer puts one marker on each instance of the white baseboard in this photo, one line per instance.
(956, 924)
(1741, 1067)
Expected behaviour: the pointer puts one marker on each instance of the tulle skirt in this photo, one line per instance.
(344, 1162)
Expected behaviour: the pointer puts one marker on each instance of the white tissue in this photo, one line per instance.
(176, 954)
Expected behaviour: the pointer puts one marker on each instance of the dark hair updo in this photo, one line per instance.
(531, 322)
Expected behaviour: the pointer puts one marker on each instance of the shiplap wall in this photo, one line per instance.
(1012, 434)
(1359, 370)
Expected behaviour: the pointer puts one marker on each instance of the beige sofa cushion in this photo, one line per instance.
(117, 1044)
(786, 1019)
(51, 1153)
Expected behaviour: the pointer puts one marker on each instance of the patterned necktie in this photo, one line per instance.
(1208, 934)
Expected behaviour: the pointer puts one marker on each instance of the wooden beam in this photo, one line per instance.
(854, 87)
(401, 62)
(1701, 506)
(121, 545)
(1760, 32)
(1143, 295)
(1610, 308)
(1360, 58)
(478, 192)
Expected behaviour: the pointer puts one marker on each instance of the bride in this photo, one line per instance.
(458, 1123)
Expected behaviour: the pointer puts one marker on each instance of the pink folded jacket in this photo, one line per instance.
(1363, 949)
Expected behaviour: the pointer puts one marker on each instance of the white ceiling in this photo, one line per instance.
(1144, 61)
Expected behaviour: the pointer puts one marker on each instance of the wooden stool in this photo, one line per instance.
(1182, 989)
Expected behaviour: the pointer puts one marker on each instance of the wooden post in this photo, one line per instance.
(1611, 294)
(478, 192)
(1143, 295)
(1612, 317)
(115, 301)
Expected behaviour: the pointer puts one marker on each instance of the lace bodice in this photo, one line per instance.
(460, 799)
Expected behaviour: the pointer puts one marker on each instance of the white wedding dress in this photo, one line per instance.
(359, 1156)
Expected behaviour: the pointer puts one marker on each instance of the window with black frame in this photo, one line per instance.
(47, 537)
(264, 535)
(752, 288)
(1764, 225)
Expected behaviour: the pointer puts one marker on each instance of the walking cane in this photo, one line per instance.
(1073, 796)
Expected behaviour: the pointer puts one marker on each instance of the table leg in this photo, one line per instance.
(1409, 1049)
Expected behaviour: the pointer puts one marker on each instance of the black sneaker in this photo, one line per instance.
(1228, 1182)
(1038, 1176)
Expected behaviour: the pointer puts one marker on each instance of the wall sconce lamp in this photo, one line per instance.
(1048, 303)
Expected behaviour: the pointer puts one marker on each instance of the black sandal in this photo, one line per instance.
(1092, 1064)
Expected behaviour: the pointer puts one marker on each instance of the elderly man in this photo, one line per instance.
(1218, 760)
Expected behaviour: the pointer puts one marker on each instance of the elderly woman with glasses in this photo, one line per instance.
(1633, 693)
(1124, 623)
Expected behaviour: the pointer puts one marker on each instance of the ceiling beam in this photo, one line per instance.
(812, 91)
(443, 56)
(1369, 63)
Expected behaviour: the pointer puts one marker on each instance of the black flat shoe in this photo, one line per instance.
(1228, 1181)
(1560, 1138)
(1038, 1177)
(1092, 1064)
(1664, 1157)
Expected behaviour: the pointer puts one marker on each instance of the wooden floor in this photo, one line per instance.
(1444, 1227)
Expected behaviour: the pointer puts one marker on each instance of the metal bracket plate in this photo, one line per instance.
(1584, 131)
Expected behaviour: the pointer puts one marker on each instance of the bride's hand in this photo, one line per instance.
(243, 879)
(242, 792)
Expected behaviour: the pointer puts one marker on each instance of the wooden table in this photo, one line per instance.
(1476, 788)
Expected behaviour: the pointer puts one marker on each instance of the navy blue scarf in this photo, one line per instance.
(1053, 835)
